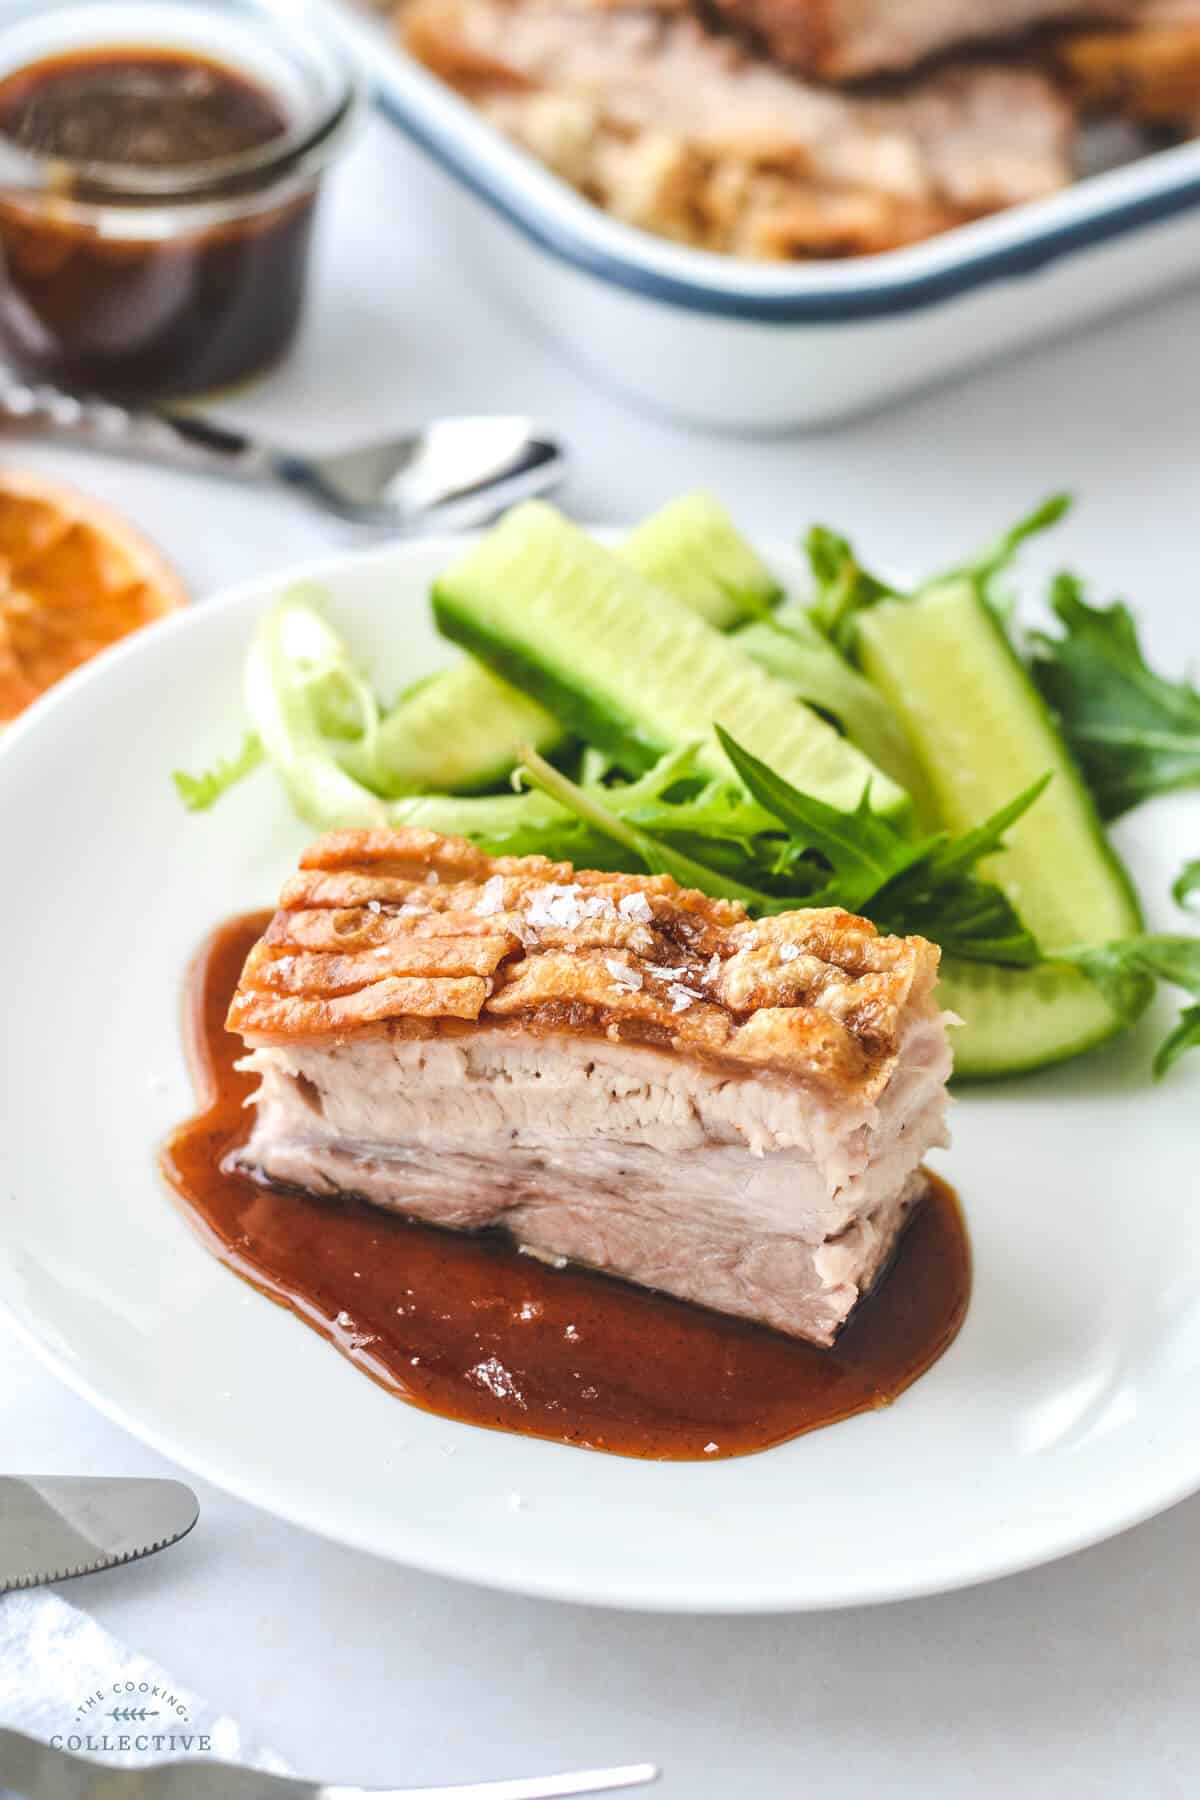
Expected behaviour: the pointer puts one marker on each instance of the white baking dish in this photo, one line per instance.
(760, 347)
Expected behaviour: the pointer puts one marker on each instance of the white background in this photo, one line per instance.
(1079, 1679)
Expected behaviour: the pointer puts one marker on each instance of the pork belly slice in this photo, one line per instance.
(680, 131)
(844, 40)
(613, 1070)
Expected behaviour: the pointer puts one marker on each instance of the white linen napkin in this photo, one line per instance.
(63, 1678)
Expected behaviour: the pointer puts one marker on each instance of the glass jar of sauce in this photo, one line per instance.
(159, 168)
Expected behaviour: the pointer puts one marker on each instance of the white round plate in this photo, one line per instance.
(1068, 1408)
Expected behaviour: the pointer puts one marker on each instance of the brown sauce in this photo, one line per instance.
(119, 309)
(142, 108)
(470, 1328)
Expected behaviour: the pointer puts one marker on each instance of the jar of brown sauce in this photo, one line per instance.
(159, 168)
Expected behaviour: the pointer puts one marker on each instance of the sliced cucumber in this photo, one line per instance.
(692, 548)
(1018, 1020)
(790, 647)
(460, 730)
(627, 665)
(982, 733)
(458, 733)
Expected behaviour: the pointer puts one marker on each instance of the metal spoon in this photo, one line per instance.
(453, 473)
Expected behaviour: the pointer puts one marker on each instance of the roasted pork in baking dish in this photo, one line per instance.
(613, 1070)
(681, 131)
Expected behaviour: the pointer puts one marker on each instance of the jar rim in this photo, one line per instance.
(301, 148)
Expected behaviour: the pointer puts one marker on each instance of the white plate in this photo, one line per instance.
(1068, 1408)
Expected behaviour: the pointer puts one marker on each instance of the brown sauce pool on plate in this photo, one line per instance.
(470, 1328)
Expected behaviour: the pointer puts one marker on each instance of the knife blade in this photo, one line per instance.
(42, 1772)
(53, 1527)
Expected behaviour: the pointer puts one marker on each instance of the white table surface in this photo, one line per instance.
(1078, 1679)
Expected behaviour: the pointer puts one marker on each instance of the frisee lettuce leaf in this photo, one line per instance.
(199, 792)
(1134, 733)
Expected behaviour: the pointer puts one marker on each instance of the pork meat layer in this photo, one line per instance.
(613, 1070)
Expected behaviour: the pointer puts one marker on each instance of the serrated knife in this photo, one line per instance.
(56, 1526)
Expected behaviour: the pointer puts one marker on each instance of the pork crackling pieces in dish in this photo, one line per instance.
(614, 1070)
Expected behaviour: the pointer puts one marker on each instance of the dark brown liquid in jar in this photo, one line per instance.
(138, 108)
(468, 1327)
(104, 307)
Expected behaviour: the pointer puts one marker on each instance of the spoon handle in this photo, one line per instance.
(173, 440)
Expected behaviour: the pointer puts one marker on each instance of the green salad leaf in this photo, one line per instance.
(821, 855)
(863, 850)
(983, 569)
(1186, 1036)
(925, 886)
(657, 854)
(844, 589)
(1134, 733)
(1126, 973)
(1117, 972)
(1187, 885)
(199, 792)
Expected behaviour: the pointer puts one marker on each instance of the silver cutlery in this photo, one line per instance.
(453, 473)
(53, 1526)
(41, 1772)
